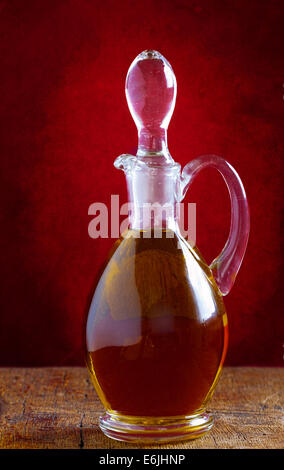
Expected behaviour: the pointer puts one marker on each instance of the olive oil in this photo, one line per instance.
(157, 328)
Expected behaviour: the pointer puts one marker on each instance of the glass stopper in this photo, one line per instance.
(151, 94)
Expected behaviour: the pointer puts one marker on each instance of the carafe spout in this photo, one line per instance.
(125, 162)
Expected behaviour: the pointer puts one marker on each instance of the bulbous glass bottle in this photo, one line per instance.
(157, 330)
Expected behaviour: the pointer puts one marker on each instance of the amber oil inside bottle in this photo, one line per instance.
(157, 328)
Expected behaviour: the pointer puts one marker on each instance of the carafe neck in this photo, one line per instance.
(151, 217)
(153, 196)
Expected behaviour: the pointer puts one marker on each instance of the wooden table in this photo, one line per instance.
(58, 408)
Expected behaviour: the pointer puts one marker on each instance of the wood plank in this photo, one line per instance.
(58, 408)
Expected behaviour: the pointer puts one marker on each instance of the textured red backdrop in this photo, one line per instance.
(64, 119)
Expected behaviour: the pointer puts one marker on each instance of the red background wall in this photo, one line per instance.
(64, 119)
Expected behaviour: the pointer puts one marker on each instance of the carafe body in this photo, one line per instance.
(156, 335)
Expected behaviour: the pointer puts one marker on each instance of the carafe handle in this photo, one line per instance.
(226, 266)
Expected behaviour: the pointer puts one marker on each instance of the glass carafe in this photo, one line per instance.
(157, 330)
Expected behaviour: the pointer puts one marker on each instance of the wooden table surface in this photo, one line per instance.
(58, 408)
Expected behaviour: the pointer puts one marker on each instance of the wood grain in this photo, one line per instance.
(58, 408)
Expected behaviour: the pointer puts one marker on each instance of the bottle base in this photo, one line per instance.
(155, 430)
